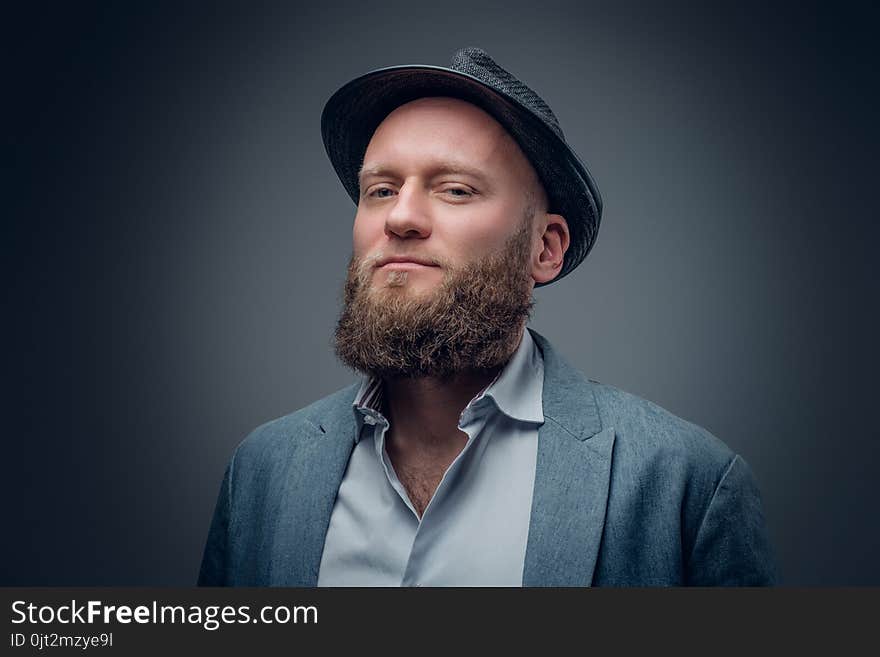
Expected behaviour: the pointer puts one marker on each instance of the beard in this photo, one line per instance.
(471, 322)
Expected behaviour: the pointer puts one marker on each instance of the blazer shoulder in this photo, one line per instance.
(646, 427)
(282, 434)
(644, 433)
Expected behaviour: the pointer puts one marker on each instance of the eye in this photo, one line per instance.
(379, 192)
(460, 192)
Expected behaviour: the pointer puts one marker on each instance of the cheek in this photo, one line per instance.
(483, 234)
(364, 235)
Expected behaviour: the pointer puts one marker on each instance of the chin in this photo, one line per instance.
(410, 289)
(408, 281)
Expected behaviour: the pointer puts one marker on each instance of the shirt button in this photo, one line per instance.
(369, 419)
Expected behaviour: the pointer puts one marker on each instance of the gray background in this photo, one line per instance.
(176, 240)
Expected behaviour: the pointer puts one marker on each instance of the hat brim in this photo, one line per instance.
(353, 113)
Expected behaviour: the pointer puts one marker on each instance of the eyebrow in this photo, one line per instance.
(437, 168)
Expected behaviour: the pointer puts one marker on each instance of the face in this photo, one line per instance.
(442, 186)
(447, 245)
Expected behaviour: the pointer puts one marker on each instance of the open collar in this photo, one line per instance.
(570, 495)
(516, 390)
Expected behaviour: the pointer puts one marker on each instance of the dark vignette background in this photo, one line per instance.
(175, 241)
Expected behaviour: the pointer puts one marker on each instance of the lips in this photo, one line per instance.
(404, 261)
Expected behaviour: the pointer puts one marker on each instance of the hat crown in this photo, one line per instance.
(477, 63)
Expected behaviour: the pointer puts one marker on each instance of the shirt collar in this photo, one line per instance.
(517, 390)
(367, 404)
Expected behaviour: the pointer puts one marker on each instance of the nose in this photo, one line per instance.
(409, 216)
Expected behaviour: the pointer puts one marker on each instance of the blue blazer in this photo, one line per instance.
(625, 494)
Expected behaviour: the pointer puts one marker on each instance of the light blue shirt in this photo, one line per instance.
(474, 530)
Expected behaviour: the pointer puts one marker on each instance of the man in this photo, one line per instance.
(471, 453)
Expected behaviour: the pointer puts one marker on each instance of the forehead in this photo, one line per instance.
(440, 129)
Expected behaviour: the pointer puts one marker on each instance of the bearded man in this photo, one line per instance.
(470, 453)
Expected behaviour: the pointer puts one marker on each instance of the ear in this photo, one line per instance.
(555, 238)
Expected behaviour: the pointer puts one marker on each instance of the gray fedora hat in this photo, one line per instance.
(353, 113)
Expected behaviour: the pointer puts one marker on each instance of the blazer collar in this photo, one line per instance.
(568, 395)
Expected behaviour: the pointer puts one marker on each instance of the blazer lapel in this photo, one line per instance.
(571, 479)
(309, 492)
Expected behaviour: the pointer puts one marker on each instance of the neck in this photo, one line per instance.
(433, 403)
(424, 412)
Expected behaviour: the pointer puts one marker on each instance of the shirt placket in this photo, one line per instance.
(472, 422)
